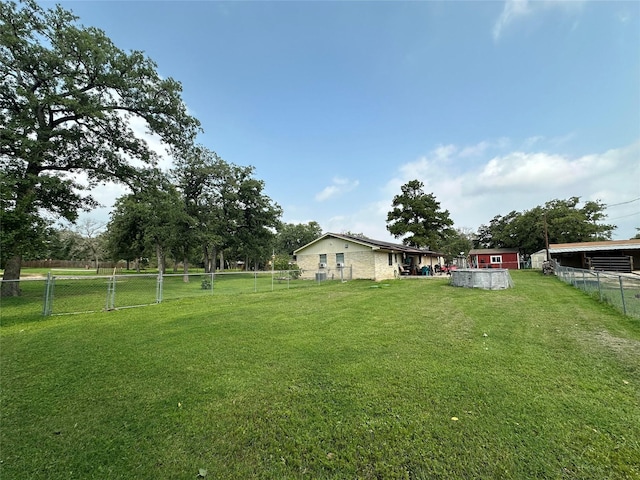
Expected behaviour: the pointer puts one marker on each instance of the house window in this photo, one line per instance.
(496, 258)
(390, 258)
(339, 258)
(323, 259)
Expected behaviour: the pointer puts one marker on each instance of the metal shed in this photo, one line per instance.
(612, 255)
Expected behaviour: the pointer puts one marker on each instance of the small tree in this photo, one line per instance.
(459, 243)
(92, 241)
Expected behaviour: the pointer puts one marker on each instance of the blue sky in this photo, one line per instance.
(495, 106)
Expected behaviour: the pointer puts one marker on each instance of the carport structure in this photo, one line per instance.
(612, 255)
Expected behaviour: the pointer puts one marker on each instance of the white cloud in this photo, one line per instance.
(623, 17)
(512, 10)
(475, 150)
(519, 180)
(481, 147)
(497, 181)
(531, 141)
(515, 10)
(338, 187)
(543, 171)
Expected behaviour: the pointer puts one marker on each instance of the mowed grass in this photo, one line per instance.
(70, 294)
(400, 379)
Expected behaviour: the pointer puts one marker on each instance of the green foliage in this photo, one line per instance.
(458, 243)
(419, 215)
(227, 204)
(291, 236)
(125, 230)
(205, 283)
(61, 244)
(66, 94)
(259, 218)
(200, 176)
(566, 221)
(284, 263)
(148, 221)
(355, 234)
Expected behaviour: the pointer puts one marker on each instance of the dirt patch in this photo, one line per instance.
(626, 348)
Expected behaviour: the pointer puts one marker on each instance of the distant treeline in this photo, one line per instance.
(70, 264)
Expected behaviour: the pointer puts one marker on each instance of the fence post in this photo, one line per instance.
(212, 279)
(624, 307)
(111, 293)
(47, 307)
(599, 286)
(159, 288)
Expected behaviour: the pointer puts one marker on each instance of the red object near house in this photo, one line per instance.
(495, 258)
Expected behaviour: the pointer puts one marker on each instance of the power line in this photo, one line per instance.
(622, 203)
(625, 216)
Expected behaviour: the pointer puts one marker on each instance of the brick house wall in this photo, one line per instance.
(364, 261)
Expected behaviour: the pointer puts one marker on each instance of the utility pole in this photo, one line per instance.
(546, 236)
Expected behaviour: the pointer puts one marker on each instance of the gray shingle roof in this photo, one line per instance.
(376, 244)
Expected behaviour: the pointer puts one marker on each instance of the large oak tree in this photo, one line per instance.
(67, 96)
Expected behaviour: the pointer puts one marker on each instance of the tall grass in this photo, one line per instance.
(400, 379)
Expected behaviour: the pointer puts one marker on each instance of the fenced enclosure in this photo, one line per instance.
(65, 294)
(621, 291)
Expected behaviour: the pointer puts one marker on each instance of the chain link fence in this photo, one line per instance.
(621, 291)
(64, 294)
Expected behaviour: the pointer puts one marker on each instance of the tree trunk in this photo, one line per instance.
(185, 270)
(25, 211)
(206, 261)
(160, 256)
(221, 260)
(11, 277)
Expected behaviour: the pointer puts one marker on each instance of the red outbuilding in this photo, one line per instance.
(495, 258)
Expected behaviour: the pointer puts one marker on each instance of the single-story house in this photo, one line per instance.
(611, 255)
(365, 258)
(495, 258)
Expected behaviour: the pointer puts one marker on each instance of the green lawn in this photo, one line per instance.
(400, 379)
(73, 294)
